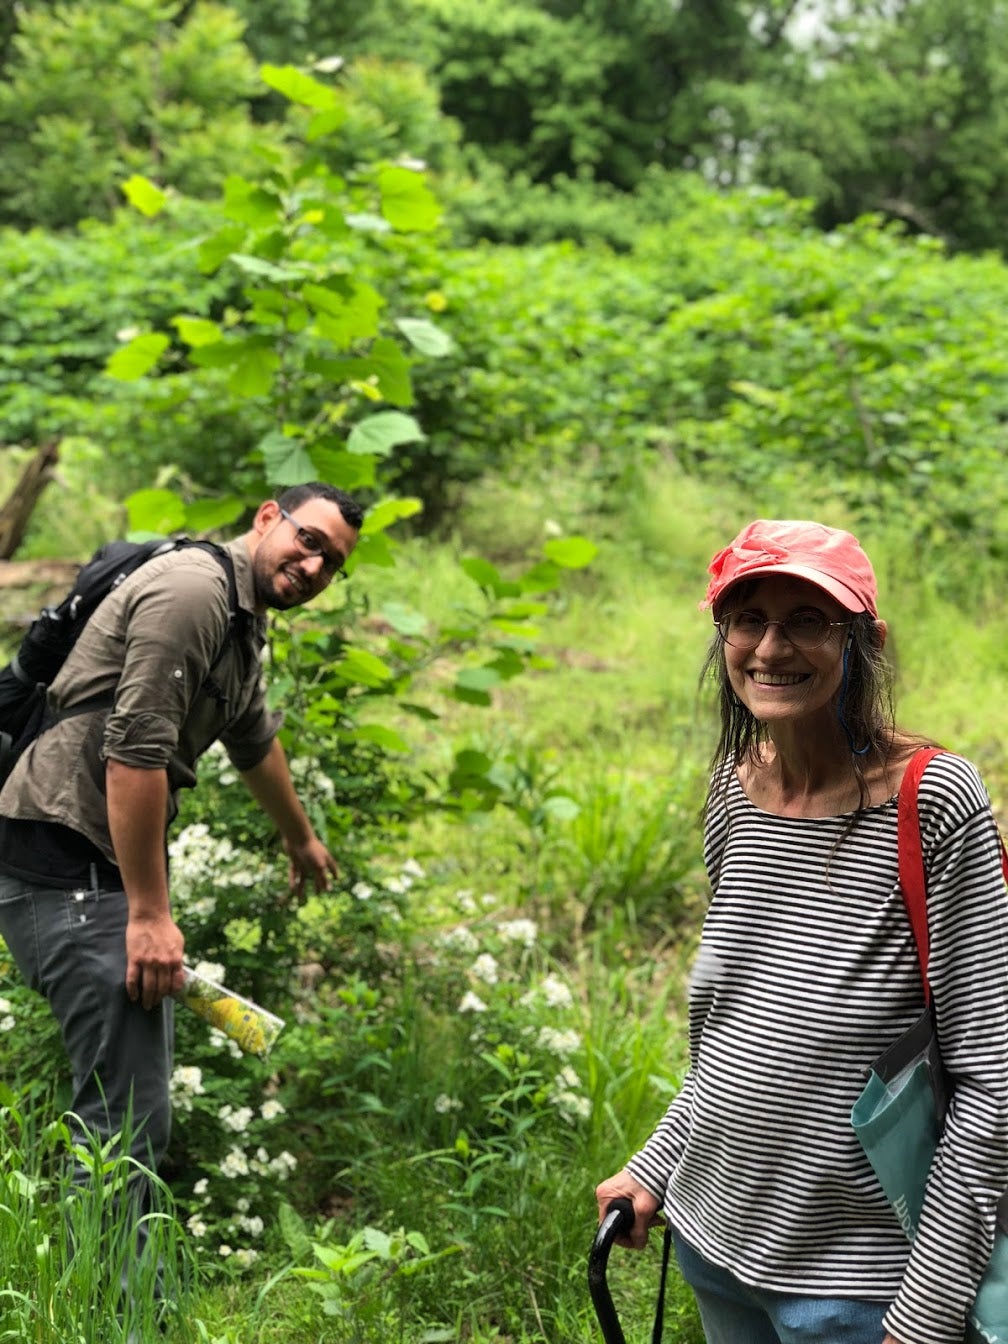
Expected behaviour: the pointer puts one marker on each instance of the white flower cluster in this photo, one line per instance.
(444, 1104)
(236, 1120)
(8, 1022)
(563, 1044)
(571, 1103)
(186, 1083)
(200, 860)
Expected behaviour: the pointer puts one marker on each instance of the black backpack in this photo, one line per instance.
(25, 680)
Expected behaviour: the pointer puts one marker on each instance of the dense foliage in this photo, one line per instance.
(449, 255)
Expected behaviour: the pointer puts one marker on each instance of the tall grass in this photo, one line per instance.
(72, 1274)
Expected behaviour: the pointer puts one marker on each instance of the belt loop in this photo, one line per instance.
(94, 880)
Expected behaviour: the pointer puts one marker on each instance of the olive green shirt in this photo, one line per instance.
(152, 644)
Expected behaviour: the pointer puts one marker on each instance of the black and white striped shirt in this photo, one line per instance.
(806, 971)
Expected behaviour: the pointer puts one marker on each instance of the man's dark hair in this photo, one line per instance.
(294, 495)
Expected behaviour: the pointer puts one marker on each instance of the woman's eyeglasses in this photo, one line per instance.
(804, 629)
(309, 544)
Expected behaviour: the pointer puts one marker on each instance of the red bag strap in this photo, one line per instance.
(912, 877)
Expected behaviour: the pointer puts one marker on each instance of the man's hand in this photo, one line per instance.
(645, 1206)
(310, 859)
(153, 958)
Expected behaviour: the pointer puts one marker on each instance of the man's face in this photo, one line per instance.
(296, 556)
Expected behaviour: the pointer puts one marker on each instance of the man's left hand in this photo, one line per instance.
(310, 860)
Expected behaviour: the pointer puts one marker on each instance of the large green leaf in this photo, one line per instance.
(407, 202)
(380, 433)
(157, 511)
(425, 336)
(285, 459)
(388, 511)
(363, 668)
(298, 87)
(252, 374)
(196, 331)
(345, 311)
(207, 515)
(249, 203)
(137, 357)
(571, 552)
(144, 196)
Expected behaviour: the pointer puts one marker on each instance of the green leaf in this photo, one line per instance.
(325, 122)
(404, 620)
(285, 458)
(388, 511)
(252, 375)
(298, 87)
(196, 331)
(345, 311)
(259, 266)
(481, 571)
(406, 201)
(215, 250)
(206, 515)
(137, 357)
(346, 470)
(144, 196)
(478, 678)
(372, 550)
(425, 336)
(251, 204)
(381, 736)
(571, 552)
(158, 511)
(363, 668)
(380, 433)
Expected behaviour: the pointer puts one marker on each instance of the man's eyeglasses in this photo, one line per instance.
(309, 544)
(804, 629)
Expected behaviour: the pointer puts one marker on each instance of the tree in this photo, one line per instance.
(100, 89)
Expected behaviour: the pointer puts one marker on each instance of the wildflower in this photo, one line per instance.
(8, 1023)
(200, 1188)
(562, 1043)
(186, 1083)
(362, 891)
(524, 931)
(253, 1225)
(224, 1250)
(556, 993)
(398, 886)
(235, 1164)
(485, 968)
(238, 1120)
(444, 1104)
(271, 1108)
(460, 939)
(571, 1106)
(465, 901)
(412, 869)
(471, 1003)
(210, 970)
(283, 1164)
(566, 1078)
(246, 1256)
(196, 1226)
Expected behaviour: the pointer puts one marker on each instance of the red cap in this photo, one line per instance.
(826, 556)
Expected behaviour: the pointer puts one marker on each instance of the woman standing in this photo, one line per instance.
(807, 970)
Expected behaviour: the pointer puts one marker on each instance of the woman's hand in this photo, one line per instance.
(646, 1207)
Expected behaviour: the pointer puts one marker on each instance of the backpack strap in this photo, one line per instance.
(912, 876)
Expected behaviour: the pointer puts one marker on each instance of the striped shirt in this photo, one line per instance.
(806, 972)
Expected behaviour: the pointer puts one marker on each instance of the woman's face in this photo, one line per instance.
(776, 680)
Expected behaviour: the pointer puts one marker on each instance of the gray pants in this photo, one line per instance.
(70, 946)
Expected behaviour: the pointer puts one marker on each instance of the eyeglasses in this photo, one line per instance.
(806, 630)
(309, 544)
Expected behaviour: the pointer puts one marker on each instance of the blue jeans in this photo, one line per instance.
(70, 946)
(733, 1313)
